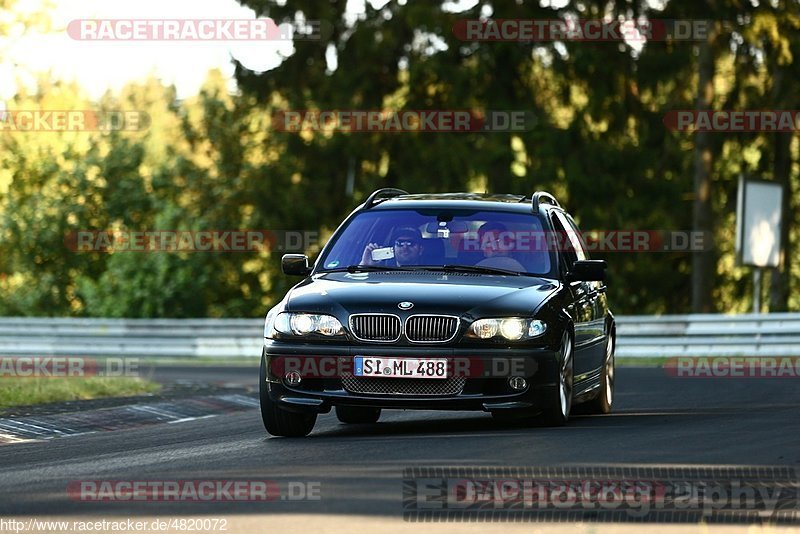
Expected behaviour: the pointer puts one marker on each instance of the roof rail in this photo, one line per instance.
(386, 192)
(542, 197)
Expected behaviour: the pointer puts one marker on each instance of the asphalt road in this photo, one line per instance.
(658, 421)
(211, 374)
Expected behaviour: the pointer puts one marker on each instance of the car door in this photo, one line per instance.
(595, 329)
(580, 305)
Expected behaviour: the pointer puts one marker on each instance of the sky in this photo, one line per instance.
(99, 66)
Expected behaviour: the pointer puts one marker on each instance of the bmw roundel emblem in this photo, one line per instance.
(405, 305)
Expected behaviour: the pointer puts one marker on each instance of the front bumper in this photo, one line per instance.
(480, 378)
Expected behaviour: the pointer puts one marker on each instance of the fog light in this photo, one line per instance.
(293, 378)
(518, 383)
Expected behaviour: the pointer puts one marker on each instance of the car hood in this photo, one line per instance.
(476, 295)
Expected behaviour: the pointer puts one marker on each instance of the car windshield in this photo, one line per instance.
(482, 241)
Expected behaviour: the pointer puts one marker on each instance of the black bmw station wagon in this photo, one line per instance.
(441, 302)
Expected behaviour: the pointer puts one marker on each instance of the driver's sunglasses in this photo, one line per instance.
(406, 243)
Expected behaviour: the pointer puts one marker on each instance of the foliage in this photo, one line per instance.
(215, 162)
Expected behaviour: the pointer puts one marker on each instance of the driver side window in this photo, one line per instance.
(567, 241)
(575, 237)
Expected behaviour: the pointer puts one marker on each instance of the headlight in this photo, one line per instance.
(269, 322)
(304, 324)
(510, 328)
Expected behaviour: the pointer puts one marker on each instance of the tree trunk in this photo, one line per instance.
(703, 262)
(782, 169)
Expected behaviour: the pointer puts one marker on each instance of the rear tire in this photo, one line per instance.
(605, 400)
(280, 422)
(558, 404)
(356, 415)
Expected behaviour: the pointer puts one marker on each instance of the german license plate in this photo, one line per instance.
(400, 367)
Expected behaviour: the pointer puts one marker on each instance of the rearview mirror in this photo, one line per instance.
(453, 227)
(587, 271)
(295, 264)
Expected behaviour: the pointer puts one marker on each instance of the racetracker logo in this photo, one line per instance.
(441, 121)
(675, 494)
(66, 367)
(533, 30)
(377, 366)
(733, 121)
(190, 241)
(594, 241)
(192, 490)
(263, 29)
(40, 120)
(733, 367)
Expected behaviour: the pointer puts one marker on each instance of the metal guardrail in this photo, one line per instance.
(157, 338)
(776, 334)
(773, 334)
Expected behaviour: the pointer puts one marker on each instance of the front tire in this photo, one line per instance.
(605, 400)
(356, 415)
(280, 422)
(558, 404)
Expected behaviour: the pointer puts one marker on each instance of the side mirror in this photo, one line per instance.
(295, 264)
(587, 271)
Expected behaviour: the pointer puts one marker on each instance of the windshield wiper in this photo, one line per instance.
(476, 269)
(445, 268)
(365, 269)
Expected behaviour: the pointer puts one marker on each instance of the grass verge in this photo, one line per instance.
(200, 362)
(29, 391)
(641, 362)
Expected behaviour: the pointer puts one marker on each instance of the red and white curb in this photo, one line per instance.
(44, 427)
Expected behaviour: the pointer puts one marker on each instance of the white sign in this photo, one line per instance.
(758, 223)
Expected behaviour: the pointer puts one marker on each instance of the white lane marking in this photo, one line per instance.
(191, 419)
(9, 438)
(61, 429)
(19, 426)
(154, 411)
(240, 399)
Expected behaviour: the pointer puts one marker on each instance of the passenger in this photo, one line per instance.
(496, 247)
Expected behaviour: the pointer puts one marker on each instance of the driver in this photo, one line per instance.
(407, 246)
